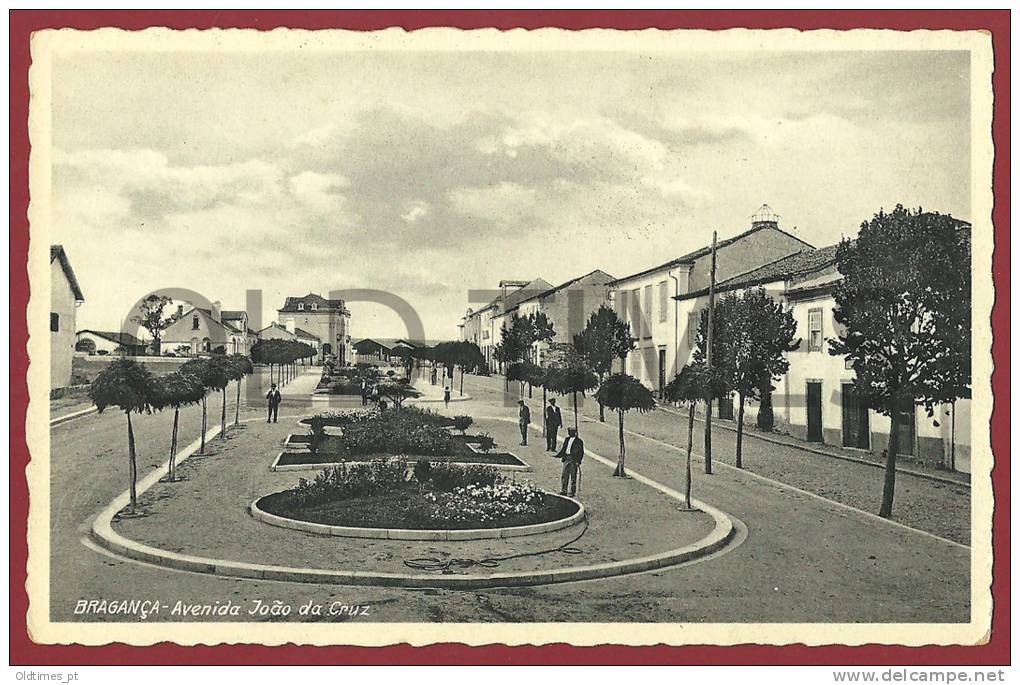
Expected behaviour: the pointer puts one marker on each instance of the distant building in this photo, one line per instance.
(65, 296)
(109, 342)
(199, 331)
(484, 326)
(326, 320)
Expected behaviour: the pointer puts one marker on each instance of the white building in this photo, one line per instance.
(65, 297)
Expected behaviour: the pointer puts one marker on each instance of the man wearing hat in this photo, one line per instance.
(571, 453)
(523, 419)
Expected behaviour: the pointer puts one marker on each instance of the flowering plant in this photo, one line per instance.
(482, 503)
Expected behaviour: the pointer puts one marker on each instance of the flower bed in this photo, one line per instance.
(417, 496)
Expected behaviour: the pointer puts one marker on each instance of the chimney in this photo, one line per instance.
(216, 309)
(180, 311)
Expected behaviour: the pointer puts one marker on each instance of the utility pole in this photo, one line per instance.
(708, 364)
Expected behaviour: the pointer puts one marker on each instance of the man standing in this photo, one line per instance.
(553, 421)
(446, 396)
(571, 453)
(274, 397)
(364, 392)
(523, 419)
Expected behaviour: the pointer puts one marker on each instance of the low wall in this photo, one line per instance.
(87, 368)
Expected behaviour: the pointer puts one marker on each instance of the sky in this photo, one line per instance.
(430, 174)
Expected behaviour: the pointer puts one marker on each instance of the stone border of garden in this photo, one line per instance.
(412, 534)
(275, 466)
(107, 538)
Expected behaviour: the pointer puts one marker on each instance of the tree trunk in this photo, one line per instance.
(766, 416)
(740, 430)
(620, 471)
(690, 447)
(173, 444)
(133, 466)
(201, 446)
(708, 437)
(889, 488)
(223, 414)
(462, 381)
(602, 408)
(545, 428)
(237, 405)
(576, 422)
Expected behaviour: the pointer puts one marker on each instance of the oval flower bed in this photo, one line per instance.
(396, 494)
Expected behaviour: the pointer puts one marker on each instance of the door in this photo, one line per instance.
(906, 420)
(662, 372)
(814, 411)
(856, 424)
(726, 408)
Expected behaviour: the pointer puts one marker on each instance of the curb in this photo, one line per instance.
(71, 417)
(103, 534)
(813, 450)
(275, 466)
(413, 534)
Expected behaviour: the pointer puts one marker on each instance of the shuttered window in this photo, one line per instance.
(663, 301)
(815, 338)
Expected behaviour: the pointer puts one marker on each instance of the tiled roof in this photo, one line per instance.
(233, 314)
(533, 288)
(57, 252)
(115, 336)
(702, 251)
(781, 269)
(564, 285)
(301, 333)
(291, 304)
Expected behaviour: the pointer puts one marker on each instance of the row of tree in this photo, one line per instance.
(133, 389)
(281, 355)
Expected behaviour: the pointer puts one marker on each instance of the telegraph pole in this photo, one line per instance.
(708, 364)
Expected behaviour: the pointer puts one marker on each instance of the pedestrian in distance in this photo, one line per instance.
(364, 392)
(446, 396)
(553, 421)
(572, 453)
(523, 420)
(274, 398)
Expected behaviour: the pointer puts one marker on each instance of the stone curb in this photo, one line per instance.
(412, 534)
(275, 466)
(104, 535)
(71, 417)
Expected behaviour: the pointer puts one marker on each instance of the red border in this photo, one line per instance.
(24, 652)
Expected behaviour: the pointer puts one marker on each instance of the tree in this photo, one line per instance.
(688, 387)
(150, 317)
(242, 367)
(605, 339)
(175, 390)
(396, 391)
(568, 374)
(541, 330)
(762, 332)
(904, 304)
(211, 372)
(722, 359)
(127, 385)
(624, 393)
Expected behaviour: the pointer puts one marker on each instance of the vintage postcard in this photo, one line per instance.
(510, 337)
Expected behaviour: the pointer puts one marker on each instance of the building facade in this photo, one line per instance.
(648, 300)
(204, 331)
(108, 343)
(327, 320)
(65, 297)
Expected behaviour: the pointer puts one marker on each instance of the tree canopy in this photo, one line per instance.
(623, 392)
(125, 384)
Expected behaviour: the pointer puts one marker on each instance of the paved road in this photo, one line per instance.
(804, 559)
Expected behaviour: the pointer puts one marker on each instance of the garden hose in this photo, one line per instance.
(454, 564)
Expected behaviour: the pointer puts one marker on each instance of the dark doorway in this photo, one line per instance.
(814, 411)
(906, 420)
(726, 408)
(662, 372)
(856, 424)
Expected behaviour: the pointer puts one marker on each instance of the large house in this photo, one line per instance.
(647, 300)
(201, 330)
(327, 320)
(815, 399)
(567, 306)
(65, 296)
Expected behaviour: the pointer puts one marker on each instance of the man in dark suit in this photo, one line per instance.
(553, 421)
(274, 398)
(571, 453)
(523, 420)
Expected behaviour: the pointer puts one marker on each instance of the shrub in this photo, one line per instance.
(351, 481)
(448, 477)
(486, 442)
(462, 423)
(486, 502)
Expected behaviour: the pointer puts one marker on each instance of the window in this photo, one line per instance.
(635, 312)
(693, 324)
(621, 304)
(314, 307)
(815, 330)
(663, 301)
(646, 323)
(54, 322)
(301, 306)
(194, 322)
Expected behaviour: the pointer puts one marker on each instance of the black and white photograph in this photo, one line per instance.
(527, 337)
